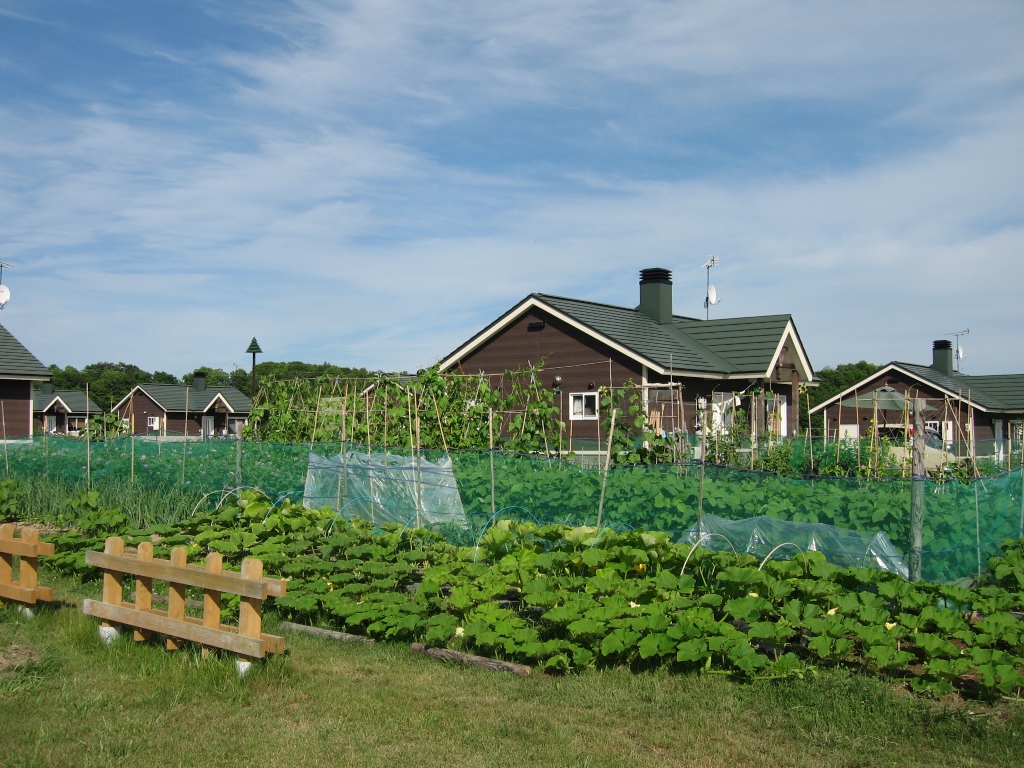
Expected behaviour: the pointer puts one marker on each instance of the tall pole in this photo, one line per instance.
(917, 493)
(254, 349)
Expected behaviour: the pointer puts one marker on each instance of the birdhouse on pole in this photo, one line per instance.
(254, 348)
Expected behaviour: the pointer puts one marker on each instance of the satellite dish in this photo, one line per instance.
(5, 295)
(712, 295)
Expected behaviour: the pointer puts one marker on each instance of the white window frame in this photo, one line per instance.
(581, 414)
(152, 423)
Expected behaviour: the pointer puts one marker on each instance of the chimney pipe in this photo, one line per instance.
(656, 294)
(942, 356)
(47, 387)
(199, 381)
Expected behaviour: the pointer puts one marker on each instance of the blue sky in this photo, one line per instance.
(371, 182)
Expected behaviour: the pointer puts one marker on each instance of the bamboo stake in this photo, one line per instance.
(856, 403)
(440, 424)
(316, 417)
(131, 426)
(418, 458)
(368, 429)
(184, 444)
(490, 433)
(1021, 535)
(810, 428)
(607, 463)
(3, 418)
(703, 463)
(88, 443)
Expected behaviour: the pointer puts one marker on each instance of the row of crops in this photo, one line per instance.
(567, 598)
(963, 522)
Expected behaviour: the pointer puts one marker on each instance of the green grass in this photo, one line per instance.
(71, 701)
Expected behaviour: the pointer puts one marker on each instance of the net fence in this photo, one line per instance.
(964, 522)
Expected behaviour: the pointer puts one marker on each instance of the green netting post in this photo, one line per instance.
(490, 453)
(977, 525)
(238, 463)
(1021, 470)
(917, 493)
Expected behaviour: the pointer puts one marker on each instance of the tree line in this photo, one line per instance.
(110, 382)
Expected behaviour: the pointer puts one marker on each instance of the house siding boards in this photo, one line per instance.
(566, 352)
(16, 413)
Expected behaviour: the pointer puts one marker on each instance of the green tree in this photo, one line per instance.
(215, 377)
(68, 377)
(834, 381)
(109, 382)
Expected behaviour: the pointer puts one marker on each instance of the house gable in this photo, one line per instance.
(737, 348)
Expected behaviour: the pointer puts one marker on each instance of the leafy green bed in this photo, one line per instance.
(569, 598)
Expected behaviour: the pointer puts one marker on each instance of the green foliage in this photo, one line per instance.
(570, 598)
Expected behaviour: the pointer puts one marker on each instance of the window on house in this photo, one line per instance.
(153, 423)
(582, 406)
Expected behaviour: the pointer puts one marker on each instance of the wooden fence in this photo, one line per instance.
(246, 640)
(26, 589)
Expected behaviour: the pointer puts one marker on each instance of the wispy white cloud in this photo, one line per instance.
(371, 183)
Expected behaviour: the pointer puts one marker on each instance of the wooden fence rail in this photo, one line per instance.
(247, 639)
(26, 589)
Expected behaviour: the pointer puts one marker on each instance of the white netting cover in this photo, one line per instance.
(385, 488)
(760, 535)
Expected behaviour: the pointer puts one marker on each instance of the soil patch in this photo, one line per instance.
(16, 656)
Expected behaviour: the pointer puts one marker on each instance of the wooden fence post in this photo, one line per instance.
(144, 587)
(26, 589)
(211, 598)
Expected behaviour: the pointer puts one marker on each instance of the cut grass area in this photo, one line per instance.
(68, 700)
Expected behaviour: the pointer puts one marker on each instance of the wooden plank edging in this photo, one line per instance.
(342, 636)
(467, 658)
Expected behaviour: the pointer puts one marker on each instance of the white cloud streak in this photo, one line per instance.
(303, 197)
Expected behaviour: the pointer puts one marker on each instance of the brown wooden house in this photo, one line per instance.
(19, 369)
(176, 409)
(966, 413)
(752, 363)
(62, 411)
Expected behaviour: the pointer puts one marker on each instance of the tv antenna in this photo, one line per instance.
(958, 351)
(5, 292)
(711, 298)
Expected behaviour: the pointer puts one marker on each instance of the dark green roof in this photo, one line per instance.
(75, 400)
(171, 397)
(993, 393)
(748, 343)
(740, 345)
(17, 362)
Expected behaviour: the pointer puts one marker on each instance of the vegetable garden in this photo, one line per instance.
(569, 598)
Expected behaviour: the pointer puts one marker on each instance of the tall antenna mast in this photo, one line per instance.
(958, 351)
(711, 297)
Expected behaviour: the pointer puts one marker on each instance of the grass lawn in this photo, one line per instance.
(68, 700)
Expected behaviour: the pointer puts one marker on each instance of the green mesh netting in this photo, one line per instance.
(963, 522)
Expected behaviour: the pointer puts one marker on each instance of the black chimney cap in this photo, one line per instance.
(655, 275)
